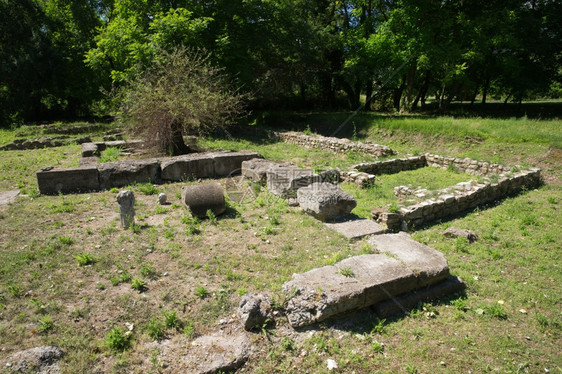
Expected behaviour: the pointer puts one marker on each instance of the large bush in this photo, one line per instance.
(181, 93)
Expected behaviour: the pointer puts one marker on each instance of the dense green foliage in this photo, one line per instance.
(56, 54)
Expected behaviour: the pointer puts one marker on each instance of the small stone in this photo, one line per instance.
(165, 274)
(331, 364)
(149, 250)
(254, 311)
(162, 198)
(522, 311)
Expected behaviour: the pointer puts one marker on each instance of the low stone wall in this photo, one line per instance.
(81, 129)
(56, 141)
(392, 166)
(121, 173)
(333, 144)
(467, 165)
(467, 196)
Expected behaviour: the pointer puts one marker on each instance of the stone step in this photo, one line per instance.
(402, 265)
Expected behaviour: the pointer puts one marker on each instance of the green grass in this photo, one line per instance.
(110, 154)
(508, 320)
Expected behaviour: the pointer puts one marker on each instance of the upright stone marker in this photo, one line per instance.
(126, 201)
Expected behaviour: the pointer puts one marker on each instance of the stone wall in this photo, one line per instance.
(333, 144)
(392, 166)
(56, 141)
(121, 173)
(467, 165)
(462, 197)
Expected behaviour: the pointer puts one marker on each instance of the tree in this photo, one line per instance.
(181, 93)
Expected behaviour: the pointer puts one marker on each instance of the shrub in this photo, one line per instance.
(181, 93)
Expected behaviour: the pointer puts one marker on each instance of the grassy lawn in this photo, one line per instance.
(70, 275)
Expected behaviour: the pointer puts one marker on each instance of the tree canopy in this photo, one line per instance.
(57, 54)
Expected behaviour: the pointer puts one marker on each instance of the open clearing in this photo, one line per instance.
(67, 268)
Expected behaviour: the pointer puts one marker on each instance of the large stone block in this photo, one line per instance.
(325, 201)
(402, 266)
(90, 150)
(53, 181)
(230, 163)
(256, 169)
(188, 166)
(284, 181)
(124, 173)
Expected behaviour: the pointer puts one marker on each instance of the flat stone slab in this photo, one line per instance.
(403, 265)
(8, 197)
(358, 228)
(214, 353)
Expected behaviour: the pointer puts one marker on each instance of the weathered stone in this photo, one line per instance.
(217, 353)
(126, 201)
(192, 166)
(124, 173)
(162, 198)
(403, 265)
(230, 163)
(284, 181)
(401, 304)
(325, 201)
(89, 161)
(55, 180)
(36, 360)
(202, 197)
(357, 229)
(256, 169)
(8, 197)
(90, 149)
(254, 311)
(455, 232)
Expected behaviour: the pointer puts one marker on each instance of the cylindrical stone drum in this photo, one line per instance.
(202, 197)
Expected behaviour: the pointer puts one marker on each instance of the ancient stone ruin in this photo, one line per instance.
(396, 277)
(156, 170)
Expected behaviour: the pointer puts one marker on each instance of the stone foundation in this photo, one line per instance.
(392, 166)
(457, 199)
(333, 144)
(91, 177)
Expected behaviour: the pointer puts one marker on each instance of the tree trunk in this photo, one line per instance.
(398, 94)
(368, 94)
(407, 102)
(176, 145)
(485, 90)
(424, 89)
(473, 98)
(454, 91)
